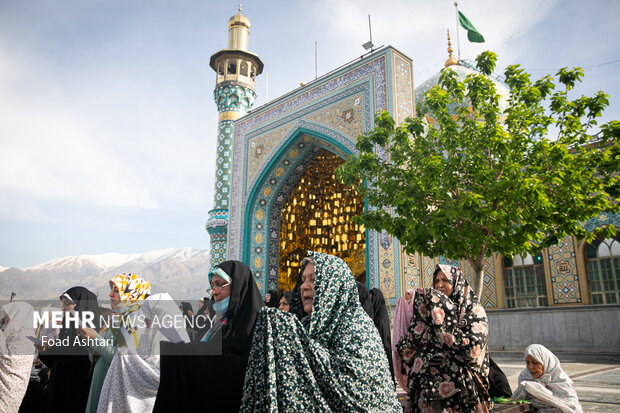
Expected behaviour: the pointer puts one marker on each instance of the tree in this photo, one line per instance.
(482, 179)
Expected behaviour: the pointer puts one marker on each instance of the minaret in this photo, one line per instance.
(236, 70)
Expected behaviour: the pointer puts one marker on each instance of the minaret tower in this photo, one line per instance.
(236, 70)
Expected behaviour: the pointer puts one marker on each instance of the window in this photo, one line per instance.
(603, 262)
(524, 281)
(220, 69)
(243, 68)
(232, 67)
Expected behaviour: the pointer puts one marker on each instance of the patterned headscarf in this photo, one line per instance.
(338, 364)
(553, 378)
(446, 347)
(132, 288)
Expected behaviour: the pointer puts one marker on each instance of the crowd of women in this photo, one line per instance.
(325, 346)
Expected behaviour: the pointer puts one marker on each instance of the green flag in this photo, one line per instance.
(472, 34)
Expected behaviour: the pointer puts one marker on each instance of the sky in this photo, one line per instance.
(107, 122)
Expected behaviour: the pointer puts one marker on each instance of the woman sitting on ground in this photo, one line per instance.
(325, 355)
(210, 373)
(446, 346)
(545, 384)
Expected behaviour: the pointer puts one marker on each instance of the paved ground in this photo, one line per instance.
(597, 378)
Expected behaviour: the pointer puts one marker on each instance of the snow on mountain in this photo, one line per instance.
(111, 259)
(179, 272)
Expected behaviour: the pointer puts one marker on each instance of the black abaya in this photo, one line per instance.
(364, 294)
(498, 383)
(69, 382)
(199, 381)
(274, 299)
(382, 322)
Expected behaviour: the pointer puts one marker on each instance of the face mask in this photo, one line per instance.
(222, 306)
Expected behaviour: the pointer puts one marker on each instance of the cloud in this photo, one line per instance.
(117, 134)
(418, 28)
(108, 121)
(48, 153)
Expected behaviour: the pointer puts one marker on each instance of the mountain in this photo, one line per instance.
(180, 272)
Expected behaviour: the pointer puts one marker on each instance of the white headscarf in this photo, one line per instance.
(16, 355)
(19, 326)
(157, 307)
(553, 378)
(132, 379)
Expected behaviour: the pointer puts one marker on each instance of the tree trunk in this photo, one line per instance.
(478, 266)
(478, 282)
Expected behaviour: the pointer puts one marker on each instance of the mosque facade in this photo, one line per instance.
(276, 195)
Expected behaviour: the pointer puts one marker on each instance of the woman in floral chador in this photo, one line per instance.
(545, 383)
(330, 360)
(446, 347)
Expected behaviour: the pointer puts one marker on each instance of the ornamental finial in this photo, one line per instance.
(451, 60)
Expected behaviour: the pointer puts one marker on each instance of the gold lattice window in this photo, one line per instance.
(318, 217)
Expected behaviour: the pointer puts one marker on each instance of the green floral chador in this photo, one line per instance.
(336, 363)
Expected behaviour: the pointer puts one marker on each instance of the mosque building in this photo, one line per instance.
(276, 195)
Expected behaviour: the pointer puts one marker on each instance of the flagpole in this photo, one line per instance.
(316, 58)
(458, 41)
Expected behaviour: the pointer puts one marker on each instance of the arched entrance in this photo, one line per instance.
(278, 185)
(317, 216)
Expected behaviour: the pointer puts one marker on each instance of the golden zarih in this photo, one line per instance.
(318, 217)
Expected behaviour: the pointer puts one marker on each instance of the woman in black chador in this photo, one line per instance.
(381, 319)
(69, 365)
(211, 373)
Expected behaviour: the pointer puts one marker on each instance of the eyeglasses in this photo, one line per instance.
(217, 287)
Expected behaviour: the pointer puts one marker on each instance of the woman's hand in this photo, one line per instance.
(87, 332)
